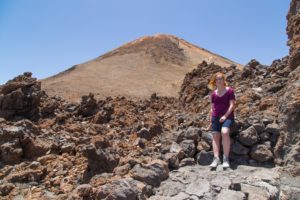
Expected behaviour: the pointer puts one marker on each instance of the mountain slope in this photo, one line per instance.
(137, 69)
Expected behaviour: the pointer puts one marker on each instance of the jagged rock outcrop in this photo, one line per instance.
(20, 97)
(289, 102)
(293, 32)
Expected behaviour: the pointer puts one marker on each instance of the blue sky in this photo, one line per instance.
(49, 36)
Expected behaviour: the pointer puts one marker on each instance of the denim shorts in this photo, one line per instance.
(217, 125)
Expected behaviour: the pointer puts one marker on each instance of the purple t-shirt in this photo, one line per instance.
(221, 104)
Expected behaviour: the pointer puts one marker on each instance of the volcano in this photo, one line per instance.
(151, 64)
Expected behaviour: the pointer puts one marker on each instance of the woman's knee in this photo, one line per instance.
(225, 131)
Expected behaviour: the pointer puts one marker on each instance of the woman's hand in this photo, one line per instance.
(222, 119)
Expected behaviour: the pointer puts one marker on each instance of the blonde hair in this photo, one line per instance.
(212, 82)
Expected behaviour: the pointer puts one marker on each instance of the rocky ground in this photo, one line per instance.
(159, 148)
(241, 182)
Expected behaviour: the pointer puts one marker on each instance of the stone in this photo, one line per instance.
(29, 175)
(20, 97)
(239, 149)
(187, 162)
(273, 129)
(102, 117)
(68, 148)
(6, 188)
(239, 159)
(155, 129)
(122, 170)
(221, 181)
(267, 121)
(99, 160)
(264, 136)
(203, 145)
(205, 158)
(172, 159)
(207, 136)
(171, 188)
(192, 133)
(152, 174)
(232, 195)
(11, 152)
(84, 190)
(176, 148)
(249, 136)
(254, 193)
(36, 147)
(188, 147)
(261, 153)
(88, 105)
(144, 133)
(259, 127)
(199, 188)
(122, 189)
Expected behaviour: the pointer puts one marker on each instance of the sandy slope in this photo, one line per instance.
(137, 69)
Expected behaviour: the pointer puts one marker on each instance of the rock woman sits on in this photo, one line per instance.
(222, 117)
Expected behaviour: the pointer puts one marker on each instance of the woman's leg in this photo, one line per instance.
(226, 140)
(216, 144)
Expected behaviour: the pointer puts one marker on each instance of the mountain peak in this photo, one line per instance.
(149, 64)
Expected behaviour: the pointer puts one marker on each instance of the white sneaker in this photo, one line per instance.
(225, 162)
(215, 162)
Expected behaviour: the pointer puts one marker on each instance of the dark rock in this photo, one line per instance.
(264, 136)
(204, 158)
(259, 128)
(122, 170)
(267, 121)
(188, 147)
(239, 159)
(155, 130)
(5, 189)
(88, 106)
(239, 149)
(123, 189)
(172, 159)
(21, 97)
(176, 148)
(203, 145)
(11, 152)
(207, 136)
(99, 160)
(261, 153)
(249, 136)
(84, 190)
(144, 133)
(68, 148)
(30, 175)
(273, 129)
(192, 133)
(152, 173)
(235, 186)
(187, 162)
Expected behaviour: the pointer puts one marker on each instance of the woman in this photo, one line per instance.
(222, 117)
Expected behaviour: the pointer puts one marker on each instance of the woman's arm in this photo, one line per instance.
(229, 111)
(231, 108)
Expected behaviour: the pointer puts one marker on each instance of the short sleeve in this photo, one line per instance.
(231, 94)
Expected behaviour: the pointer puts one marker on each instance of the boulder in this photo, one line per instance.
(152, 174)
(261, 153)
(249, 136)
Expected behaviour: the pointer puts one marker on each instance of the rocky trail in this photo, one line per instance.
(242, 182)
